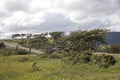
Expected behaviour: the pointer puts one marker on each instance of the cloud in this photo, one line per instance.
(57, 22)
(51, 22)
(81, 9)
(16, 5)
(93, 7)
(114, 22)
(37, 16)
(3, 14)
(92, 23)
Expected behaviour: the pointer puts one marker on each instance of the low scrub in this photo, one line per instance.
(103, 61)
(20, 52)
(57, 54)
(8, 51)
(75, 57)
(72, 58)
(2, 45)
(115, 48)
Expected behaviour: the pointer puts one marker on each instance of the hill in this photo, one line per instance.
(113, 38)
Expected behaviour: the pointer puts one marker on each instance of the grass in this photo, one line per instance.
(53, 69)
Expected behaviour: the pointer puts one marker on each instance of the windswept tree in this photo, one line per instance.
(29, 42)
(56, 35)
(14, 36)
(23, 35)
(40, 41)
(83, 40)
(20, 36)
(44, 34)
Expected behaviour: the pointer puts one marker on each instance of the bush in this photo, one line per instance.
(75, 57)
(20, 51)
(104, 61)
(6, 52)
(2, 45)
(115, 48)
(86, 56)
(57, 54)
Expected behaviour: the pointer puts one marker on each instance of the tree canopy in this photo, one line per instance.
(83, 40)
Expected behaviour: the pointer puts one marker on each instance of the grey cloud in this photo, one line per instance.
(15, 5)
(57, 22)
(53, 22)
(95, 24)
(95, 7)
(2, 14)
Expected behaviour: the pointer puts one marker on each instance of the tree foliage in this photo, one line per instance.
(114, 48)
(103, 61)
(2, 45)
(83, 40)
(56, 35)
(39, 42)
(15, 36)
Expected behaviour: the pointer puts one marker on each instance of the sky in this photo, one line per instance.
(39, 16)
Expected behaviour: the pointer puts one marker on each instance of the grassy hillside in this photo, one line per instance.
(11, 68)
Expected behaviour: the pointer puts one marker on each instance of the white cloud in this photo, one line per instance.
(50, 22)
(58, 15)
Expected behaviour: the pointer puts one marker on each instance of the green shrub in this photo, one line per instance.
(57, 54)
(20, 51)
(115, 48)
(6, 52)
(85, 56)
(75, 57)
(104, 61)
(95, 59)
(2, 45)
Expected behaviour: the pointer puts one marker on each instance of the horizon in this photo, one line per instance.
(9, 35)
